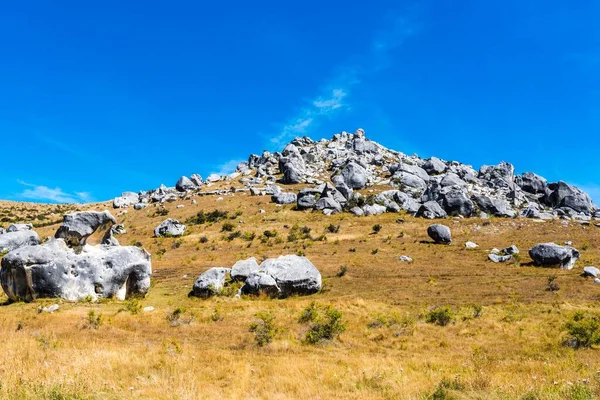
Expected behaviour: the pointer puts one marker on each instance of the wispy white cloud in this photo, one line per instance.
(227, 167)
(333, 97)
(55, 195)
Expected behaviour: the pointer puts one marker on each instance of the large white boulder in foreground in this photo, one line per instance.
(53, 270)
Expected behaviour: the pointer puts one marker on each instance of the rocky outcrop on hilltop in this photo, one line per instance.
(332, 173)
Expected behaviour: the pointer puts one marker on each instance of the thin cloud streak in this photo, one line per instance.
(55, 195)
(334, 95)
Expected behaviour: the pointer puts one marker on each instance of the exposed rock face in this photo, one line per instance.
(431, 210)
(184, 184)
(10, 241)
(19, 227)
(169, 227)
(354, 176)
(77, 227)
(210, 282)
(126, 199)
(243, 268)
(284, 198)
(553, 255)
(283, 277)
(53, 270)
(440, 234)
(353, 162)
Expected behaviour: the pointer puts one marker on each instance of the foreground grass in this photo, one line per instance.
(503, 340)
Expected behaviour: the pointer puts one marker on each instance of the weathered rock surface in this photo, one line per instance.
(19, 227)
(284, 198)
(440, 233)
(13, 240)
(210, 282)
(169, 227)
(53, 270)
(78, 226)
(243, 268)
(283, 277)
(553, 255)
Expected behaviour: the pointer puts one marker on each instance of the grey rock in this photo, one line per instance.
(440, 234)
(293, 275)
(562, 194)
(126, 199)
(49, 309)
(375, 209)
(184, 184)
(169, 227)
(553, 255)
(496, 207)
(452, 179)
(456, 202)
(471, 245)
(498, 258)
(243, 268)
(79, 226)
(210, 282)
(591, 271)
(406, 259)
(53, 270)
(434, 166)
(510, 250)
(354, 176)
(10, 241)
(531, 183)
(139, 206)
(498, 176)
(357, 211)
(196, 180)
(213, 178)
(260, 282)
(328, 203)
(431, 210)
(284, 198)
(19, 227)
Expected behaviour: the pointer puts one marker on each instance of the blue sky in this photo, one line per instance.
(102, 97)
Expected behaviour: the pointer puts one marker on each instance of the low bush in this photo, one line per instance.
(325, 323)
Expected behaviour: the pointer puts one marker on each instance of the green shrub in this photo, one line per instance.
(331, 228)
(210, 217)
(324, 323)
(583, 330)
(227, 227)
(270, 234)
(234, 235)
(441, 316)
(377, 228)
(203, 239)
(249, 236)
(343, 270)
(93, 321)
(263, 328)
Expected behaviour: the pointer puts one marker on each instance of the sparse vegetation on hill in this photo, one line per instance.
(449, 324)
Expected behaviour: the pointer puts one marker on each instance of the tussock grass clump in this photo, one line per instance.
(440, 316)
(325, 323)
(263, 328)
(583, 330)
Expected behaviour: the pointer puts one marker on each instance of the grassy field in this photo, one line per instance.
(504, 340)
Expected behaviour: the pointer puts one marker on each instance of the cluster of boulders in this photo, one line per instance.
(544, 254)
(428, 188)
(67, 267)
(276, 277)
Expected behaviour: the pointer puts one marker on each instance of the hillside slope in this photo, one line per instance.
(504, 340)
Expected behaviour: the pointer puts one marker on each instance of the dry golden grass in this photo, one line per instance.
(512, 351)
